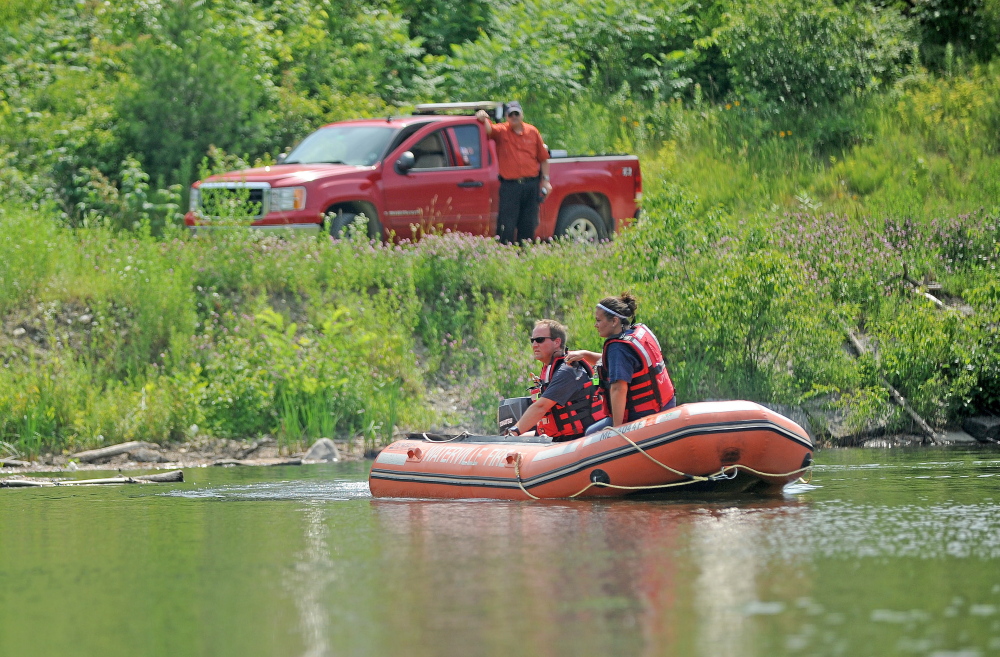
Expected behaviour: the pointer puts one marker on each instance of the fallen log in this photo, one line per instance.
(13, 463)
(161, 478)
(292, 461)
(107, 452)
(932, 435)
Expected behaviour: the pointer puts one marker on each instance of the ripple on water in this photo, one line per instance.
(837, 528)
(332, 491)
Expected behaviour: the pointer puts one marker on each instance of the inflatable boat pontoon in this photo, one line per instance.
(730, 446)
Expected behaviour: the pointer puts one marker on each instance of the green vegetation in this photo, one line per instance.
(798, 159)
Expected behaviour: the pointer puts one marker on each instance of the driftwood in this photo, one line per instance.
(921, 289)
(161, 478)
(294, 461)
(932, 435)
(108, 452)
(13, 463)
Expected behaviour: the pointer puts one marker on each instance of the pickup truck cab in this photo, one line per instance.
(409, 175)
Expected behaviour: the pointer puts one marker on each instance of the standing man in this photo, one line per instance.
(524, 171)
(569, 402)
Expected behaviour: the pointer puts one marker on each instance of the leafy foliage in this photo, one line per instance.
(805, 54)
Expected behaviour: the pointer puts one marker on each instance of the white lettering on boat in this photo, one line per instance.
(391, 458)
(497, 458)
(607, 433)
(450, 454)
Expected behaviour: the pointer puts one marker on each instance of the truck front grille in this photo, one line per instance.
(235, 201)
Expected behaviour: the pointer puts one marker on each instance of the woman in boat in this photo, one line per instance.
(633, 375)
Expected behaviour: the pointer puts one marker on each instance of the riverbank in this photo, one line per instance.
(198, 453)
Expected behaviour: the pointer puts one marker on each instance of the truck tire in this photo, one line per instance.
(581, 223)
(340, 221)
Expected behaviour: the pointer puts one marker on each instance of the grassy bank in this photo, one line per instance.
(110, 336)
(765, 235)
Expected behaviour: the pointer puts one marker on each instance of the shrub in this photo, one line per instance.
(812, 53)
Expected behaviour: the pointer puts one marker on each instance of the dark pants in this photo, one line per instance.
(517, 217)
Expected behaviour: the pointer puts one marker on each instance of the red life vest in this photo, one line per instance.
(650, 387)
(570, 420)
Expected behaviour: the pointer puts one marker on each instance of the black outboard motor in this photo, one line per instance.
(511, 410)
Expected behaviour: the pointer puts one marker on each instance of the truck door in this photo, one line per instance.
(442, 190)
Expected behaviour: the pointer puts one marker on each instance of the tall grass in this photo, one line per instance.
(762, 237)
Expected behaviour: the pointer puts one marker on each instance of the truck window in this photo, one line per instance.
(430, 152)
(469, 146)
(403, 135)
(358, 145)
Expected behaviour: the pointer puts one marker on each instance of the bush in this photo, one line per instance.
(813, 53)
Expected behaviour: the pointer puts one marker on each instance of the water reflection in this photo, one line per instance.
(314, 570)
(630, 577)
(891, 556)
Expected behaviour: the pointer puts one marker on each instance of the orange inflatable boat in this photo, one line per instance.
(730, 446)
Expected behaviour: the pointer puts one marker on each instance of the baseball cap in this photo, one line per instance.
(514, 106)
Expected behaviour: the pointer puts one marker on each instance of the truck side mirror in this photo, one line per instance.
(405, 162)
(281, 158)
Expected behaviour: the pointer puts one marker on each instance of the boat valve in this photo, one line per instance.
(414, 455)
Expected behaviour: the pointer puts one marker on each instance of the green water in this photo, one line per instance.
(886, 552)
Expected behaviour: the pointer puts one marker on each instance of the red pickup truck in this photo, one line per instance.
(409, 175)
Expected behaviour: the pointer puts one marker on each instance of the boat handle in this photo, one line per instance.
(414, 455)
(511, 459)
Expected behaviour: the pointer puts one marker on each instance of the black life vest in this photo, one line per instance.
(650, 387)
(570, 420)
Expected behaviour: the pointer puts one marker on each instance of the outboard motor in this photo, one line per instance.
(511, 410)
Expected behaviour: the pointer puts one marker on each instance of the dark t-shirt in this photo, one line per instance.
(622, 363)
(568, 380)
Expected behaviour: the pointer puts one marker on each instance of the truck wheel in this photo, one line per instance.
(340, 221)
(581, 223)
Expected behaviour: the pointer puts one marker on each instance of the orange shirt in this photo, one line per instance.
(520, 155)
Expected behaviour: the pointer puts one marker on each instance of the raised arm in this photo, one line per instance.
(591, 357)
(484, 118)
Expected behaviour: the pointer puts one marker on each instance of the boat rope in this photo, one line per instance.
(688, 478)
(464, 434)
(517, 473)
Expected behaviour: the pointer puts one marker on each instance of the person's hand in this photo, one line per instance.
(546, 187)
(482, 116)
(572, 356)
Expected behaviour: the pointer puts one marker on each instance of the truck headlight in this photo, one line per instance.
(288, 198)
(194, 200)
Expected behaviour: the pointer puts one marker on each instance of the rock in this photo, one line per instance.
(959, 438)
(323, 449)
(795, 414)
(18, 332)
(828, 420)
(145, 455)
(984, 428)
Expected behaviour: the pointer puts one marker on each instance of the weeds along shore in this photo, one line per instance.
(787, 202)
(111, 336)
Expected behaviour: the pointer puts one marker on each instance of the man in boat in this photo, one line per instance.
(634, 378)
(568, 401)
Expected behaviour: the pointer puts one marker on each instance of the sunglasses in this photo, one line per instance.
(540, 340)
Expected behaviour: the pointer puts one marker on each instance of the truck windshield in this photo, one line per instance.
(358, 145)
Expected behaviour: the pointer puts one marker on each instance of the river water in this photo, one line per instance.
(884, 552)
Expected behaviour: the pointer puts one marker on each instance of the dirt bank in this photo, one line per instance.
(200, 452)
